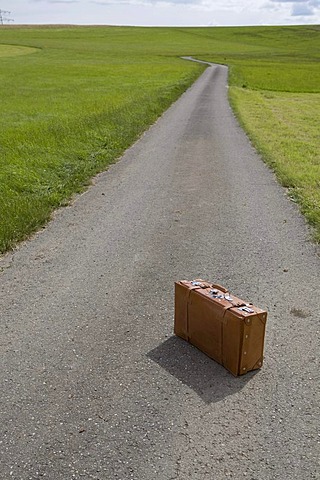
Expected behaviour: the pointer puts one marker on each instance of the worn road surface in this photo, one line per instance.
(93, 383)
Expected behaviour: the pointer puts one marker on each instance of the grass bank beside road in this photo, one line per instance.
(74, 98)
(284, 128)
(69, 110)
(275, 92)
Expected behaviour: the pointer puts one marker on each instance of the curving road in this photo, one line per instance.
(93, 383)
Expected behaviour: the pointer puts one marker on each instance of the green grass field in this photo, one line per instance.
(73, 98)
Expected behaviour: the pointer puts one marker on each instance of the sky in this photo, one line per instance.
(163, 12)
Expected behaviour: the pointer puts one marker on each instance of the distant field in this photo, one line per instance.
(84, 94)
(13, 50)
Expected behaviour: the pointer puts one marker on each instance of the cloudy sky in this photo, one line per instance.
(164, 12)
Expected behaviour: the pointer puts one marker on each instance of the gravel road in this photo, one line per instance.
(93, 383)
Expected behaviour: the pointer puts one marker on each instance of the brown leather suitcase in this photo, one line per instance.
(221, 325)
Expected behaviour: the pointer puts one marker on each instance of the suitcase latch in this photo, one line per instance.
(227, 297)
(246, 309)
(215, 293)
(198, 284)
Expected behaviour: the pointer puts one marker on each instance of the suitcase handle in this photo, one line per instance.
(202, 284)
(219, 287)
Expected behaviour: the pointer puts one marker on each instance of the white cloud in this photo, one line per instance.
(164, 12)
(299, 8)
(152, 2)
(56, 1)
(305, 3)
(205, 4)
(287, 1)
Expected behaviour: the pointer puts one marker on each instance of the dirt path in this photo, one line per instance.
(93, 383)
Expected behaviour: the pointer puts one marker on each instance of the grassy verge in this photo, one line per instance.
(68, 111)
(82, 95)
(284, 127)
(276, 96)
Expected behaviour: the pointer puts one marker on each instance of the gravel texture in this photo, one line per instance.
(93, 383)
